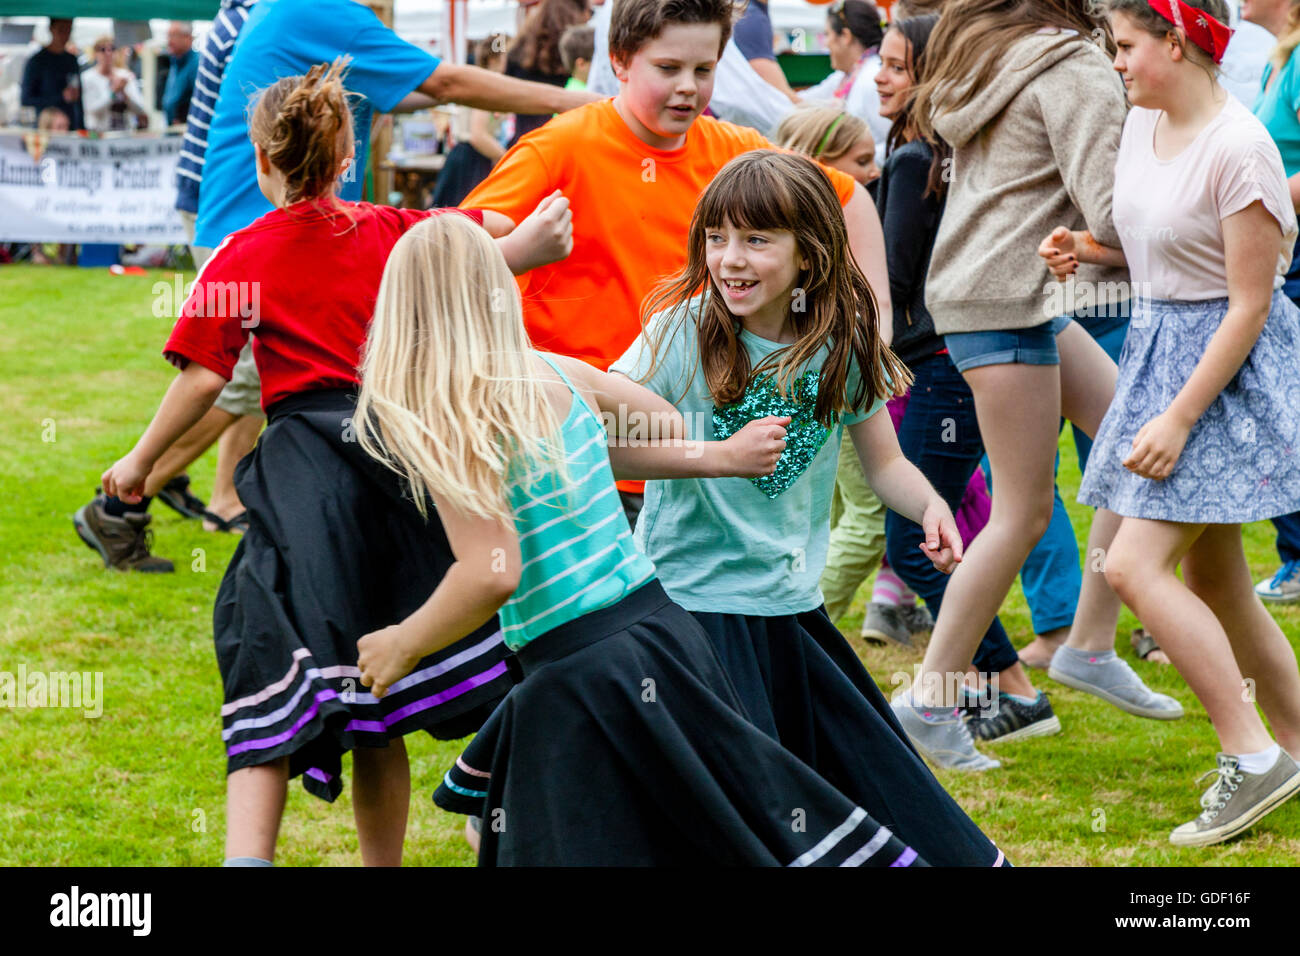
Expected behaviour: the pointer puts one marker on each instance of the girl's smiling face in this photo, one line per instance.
(756, 272)
(1143, 60)
(894, 79)
(860, 161)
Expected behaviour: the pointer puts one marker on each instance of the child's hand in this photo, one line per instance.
(1157, 447)
(942, 543)
(545, 236)
(385, 657)
(1059, 251)
(754, 450)
(125, 479)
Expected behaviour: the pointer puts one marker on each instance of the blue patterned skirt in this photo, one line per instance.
(1241, 462)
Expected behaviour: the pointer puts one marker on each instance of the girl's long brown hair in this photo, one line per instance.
(916, 32)
(972, 38)
(770, 190)
(538, 45)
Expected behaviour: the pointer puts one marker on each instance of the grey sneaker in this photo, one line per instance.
(917, 619)
(1238, 800)
(944, 742)
(885, 625)
(1283, 587)
(1113, 681)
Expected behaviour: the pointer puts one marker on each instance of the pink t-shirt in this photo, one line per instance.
(1168, 212)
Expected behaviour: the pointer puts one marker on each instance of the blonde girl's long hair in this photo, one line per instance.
(449, 400)
(1289, 40)
(765, 189)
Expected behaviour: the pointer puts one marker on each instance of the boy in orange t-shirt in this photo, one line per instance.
(632, 168)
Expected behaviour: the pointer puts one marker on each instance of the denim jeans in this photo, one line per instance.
(940, 435)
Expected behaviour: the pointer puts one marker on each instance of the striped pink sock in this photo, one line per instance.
(890, 589)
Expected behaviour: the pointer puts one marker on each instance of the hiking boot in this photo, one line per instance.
(1237, 800)
(884, 625)
(945, 741)
(176, 495)
(916, 618)
(1283, 587)
(1113, 680)
(1012, 719)
(122, 542)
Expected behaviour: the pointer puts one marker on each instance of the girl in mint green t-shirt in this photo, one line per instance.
(787, 329)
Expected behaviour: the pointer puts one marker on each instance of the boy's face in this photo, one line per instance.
(668, 81)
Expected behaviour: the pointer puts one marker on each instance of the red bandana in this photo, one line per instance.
(1201, 28)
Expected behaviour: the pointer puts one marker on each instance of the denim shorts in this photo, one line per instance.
(1032, 346)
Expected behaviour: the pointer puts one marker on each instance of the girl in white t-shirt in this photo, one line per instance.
(1203, 434)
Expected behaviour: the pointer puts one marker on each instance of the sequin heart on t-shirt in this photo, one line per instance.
(804, 435)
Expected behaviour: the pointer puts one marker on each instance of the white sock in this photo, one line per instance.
(1260, 762)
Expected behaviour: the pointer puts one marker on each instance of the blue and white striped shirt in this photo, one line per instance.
(217, 47)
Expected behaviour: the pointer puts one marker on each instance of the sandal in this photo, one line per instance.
(237, 524)
(1144, 645)
(176, 495)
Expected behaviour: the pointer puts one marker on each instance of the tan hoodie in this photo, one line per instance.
(1034, 150)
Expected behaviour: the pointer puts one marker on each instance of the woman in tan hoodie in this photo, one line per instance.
(1024, 92)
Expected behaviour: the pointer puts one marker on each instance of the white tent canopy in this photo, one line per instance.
(421, 21)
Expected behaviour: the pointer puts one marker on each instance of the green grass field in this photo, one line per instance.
(143, 784)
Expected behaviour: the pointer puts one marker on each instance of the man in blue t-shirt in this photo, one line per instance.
(286, 38)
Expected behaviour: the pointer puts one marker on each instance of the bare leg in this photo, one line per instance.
(254, 805)
(1087, 385)
(1038, 652)
(183, 452)
(381, 800)
(472, 836)
(235, 442)
(1014, 680)
(1097, 614)
(1020, 438)
(1216, 571)
(1141, 567)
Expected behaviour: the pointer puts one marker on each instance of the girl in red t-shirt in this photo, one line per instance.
(336, 547)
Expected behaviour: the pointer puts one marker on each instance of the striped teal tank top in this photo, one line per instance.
(574, 539)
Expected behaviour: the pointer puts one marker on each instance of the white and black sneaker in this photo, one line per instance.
(1010, 718)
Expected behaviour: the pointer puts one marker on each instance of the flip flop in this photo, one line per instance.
(1144, 644)
(237, 524)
